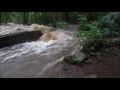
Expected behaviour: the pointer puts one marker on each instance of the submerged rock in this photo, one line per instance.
(75, 56)
(70, 58)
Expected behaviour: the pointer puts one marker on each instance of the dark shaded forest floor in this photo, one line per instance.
(107, 66)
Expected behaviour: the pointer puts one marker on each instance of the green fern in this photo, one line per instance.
(62, 24)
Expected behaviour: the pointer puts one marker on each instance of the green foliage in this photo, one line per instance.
(82, 19)
(37, 17)
(88, 26)
(50, 25)
(71, 59)
(91, 40)
(108, 22)
(111, 21)
(89, 61)
(62, 24)
(91, 35)
(45, 18)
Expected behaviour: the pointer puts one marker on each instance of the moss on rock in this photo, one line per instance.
(71, 59)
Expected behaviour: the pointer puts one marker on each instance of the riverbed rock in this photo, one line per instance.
(75, 56)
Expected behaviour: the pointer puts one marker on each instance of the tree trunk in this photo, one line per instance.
(67, 16)
(0, 18)
(35, 17)
(6, 19)
(90, 16)
(25, 17)
(63, 16)
(54, 19)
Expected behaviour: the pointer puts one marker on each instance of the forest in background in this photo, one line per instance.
(46, 17)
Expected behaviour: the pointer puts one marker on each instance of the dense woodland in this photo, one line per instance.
(38, 17)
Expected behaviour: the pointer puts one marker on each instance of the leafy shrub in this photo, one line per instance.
(91, 40)
(62, 24)
(91, 35)
(111, 21)
(82, 19)
(108, 22)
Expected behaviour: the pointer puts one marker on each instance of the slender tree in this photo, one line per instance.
(90, 16)
(67, 16)
(0, 17)
(25, 17)
(54, 19)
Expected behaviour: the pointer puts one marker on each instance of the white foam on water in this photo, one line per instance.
(21, 49)
(35, 47)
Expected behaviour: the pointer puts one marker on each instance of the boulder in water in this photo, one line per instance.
(75, 56)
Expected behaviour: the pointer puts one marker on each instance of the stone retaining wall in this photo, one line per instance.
(19, 37)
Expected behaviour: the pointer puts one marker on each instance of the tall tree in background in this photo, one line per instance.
(35, 15)
(25, 17)
(0, 18)
(54, 19)
(65, 16)
(90, 16)
(6, 14)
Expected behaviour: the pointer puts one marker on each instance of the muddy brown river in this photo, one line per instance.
(35, 59)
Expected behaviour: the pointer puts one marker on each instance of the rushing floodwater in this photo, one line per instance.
(8, 53)
(21, 49)
(32, 59)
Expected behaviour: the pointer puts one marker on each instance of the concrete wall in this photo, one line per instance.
(21, 37)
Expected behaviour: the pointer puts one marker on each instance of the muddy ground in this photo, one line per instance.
(108, 66)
